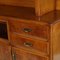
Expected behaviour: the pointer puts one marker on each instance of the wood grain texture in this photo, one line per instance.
(55, 40)
(56, 31)
(57, 4)
(41, 7)
(37, 30)
(25, 3)
(44, 6)
(29, 43)
(9, 12)
(24, 17)
(5, 51)
(16, 11)
(22, 14)
(22, 55)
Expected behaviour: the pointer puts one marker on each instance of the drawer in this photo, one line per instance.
(30, 28)
(39, 45)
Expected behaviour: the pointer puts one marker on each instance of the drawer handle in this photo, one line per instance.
(27, 30)
(28, 44)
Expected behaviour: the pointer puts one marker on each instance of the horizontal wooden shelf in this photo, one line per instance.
(25, 3)
(28, 13)
(19, 12)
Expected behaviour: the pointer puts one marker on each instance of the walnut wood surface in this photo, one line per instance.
(25, 3)
(43, 17)
(38, 45)
(44, 6)
(28, 13)
(5, 50)
(55, 40)
(37, 30)
(23, 55)
(57, 4)
(41, 6)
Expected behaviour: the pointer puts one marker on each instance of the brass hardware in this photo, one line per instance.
(28, 44)
(27, 30)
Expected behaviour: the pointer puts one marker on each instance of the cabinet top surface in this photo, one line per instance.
(28, 13)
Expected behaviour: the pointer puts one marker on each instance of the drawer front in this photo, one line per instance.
(18, 40)
(30, 28)
(20, 54)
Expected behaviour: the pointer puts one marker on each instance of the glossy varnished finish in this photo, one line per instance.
(22, 55)
(27, 13)
(29, 28)
(25, 3)
(16, 11)
(39, 45)
(55, 40)
(34, 30)
(42, 7)
(57, 4)
(5, 50)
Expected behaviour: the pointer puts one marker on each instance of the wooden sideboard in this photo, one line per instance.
(29, 30)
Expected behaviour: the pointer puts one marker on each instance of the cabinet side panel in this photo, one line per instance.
(56, 40)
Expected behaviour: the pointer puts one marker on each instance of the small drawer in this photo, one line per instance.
(31, 28)
(18, 40)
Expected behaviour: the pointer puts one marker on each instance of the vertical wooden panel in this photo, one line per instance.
(5, 51)
(56, 40)
(37, 7)
(58, 5)
(44, 6)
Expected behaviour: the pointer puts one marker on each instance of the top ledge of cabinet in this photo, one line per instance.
(28, 13)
